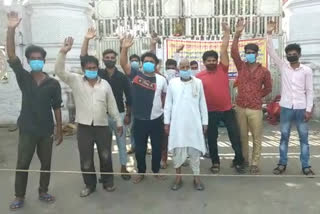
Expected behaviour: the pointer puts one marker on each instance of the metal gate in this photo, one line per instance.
(183, 18)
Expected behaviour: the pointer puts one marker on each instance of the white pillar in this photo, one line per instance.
(51, 22)
(302, 18)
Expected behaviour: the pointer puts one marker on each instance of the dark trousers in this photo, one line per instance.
(229, 119)
(26, 148)
(87, 137)
(142, 130)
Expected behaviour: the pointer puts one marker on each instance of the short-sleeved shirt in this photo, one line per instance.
(37, 101)
(147, 95)
(216, 88)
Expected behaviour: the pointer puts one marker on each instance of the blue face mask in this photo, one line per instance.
(251, 58)
(148, 67)
(36, 65)
(135, 65)
(185, 74)
(91, 74)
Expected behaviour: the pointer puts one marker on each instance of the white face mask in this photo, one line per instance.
(171, 73)
(194, 72)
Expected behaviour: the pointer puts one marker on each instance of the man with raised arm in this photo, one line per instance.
(120, 86)
(215, 81)
(148, 92)
(94, 102)
(40, 95)
(254, 83)
(296, 101)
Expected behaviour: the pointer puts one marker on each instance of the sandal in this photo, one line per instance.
(279, 169)
(138, 179)
(164, 165)
(254, 170)
(308, 171)
(215, 168)
(16, 204)
(198, 186)
(45, 197)
(176, 186)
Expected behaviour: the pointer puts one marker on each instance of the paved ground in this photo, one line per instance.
(222, 195)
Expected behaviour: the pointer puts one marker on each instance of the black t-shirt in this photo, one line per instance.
(37, 101)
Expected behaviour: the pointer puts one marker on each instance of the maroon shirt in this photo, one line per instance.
(252, 85)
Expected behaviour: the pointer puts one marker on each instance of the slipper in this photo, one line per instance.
(138, 179)
(176, 186)
(16, 204)
(198, 186)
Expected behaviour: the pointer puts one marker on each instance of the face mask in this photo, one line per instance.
(36, 65)
(211, 67)
(251, 58)
(194, 71)
(185, 74)
(148, 67)
(109, 63)
(91, 74)
(292, 58)
(135, 65)
(171, 71)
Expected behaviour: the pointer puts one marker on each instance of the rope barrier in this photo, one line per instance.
(162, 174)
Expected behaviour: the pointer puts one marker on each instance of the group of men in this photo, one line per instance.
(179, 110)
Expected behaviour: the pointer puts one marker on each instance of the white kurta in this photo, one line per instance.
(186, 112)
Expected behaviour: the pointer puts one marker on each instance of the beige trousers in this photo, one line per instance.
(250, 120)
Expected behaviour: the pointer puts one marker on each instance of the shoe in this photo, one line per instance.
(239, 168)
(87, 191)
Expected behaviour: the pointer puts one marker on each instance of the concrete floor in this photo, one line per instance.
(222, 195)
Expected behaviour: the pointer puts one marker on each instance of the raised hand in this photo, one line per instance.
(240, 25)
(67, 45)
(225, 27)
(271, 26)
(91, 33)
(13, 19)
(127, 41)
(154, 38)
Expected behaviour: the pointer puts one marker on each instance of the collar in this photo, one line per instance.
(85, 79)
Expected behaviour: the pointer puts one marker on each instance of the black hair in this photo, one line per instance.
(89, 59)
(251, 46)
(194, 62)
(150, 54)
(108, 51)
(293, 47)
(34, 48)
(208, 54)
(134, 56)
(171, 62)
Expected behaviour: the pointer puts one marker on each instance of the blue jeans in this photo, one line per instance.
(121, 140)
(287, 117)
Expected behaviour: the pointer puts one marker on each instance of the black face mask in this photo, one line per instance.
(292, 58)
(109, 63)
(211, 67)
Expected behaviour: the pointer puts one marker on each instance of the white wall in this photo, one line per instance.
(46, 24)
(303, 27)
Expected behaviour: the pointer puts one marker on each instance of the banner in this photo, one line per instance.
(193, 50)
